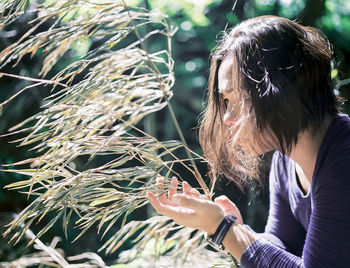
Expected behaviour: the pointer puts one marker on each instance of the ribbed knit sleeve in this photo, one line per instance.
(327, 242)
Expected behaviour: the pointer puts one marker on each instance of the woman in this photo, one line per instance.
(270, 89)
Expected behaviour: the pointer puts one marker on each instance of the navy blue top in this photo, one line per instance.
(313, 229)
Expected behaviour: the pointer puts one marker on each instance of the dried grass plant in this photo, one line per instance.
(50, 256)
(98, 116)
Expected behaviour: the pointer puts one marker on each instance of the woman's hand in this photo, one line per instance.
(191, 209)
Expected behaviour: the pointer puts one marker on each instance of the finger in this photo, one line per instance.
(169, 211)
(195, 192)
(173, 189)
(226, 204)
(229, 207)
(159, 182)
(155, 202)
(163, 198)
(160, 186)
(191, 202)
(186, 188)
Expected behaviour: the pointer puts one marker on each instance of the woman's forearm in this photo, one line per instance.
(238, 239)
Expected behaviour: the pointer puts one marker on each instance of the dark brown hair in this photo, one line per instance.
(281, 75)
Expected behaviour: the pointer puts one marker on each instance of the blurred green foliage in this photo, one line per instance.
(199, 26)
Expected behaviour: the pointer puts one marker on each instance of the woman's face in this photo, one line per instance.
(246, 137)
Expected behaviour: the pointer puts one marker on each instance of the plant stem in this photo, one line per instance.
(178, 129)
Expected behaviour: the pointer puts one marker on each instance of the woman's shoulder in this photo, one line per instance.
(342, 123)
(333, 160)
(337, 139)
(340, 128)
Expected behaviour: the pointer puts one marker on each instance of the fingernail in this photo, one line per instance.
(194, 191)
(221, 197)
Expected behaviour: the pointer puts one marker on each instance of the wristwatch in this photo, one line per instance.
(216, 239)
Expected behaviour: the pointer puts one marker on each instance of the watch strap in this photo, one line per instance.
(222, 230)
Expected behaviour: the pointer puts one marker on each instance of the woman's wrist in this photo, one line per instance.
(237, 240)
(221, 231)
(210, 230)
